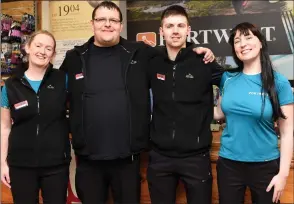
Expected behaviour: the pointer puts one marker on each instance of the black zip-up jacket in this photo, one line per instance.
(39, 135)
(182, 102)
(134, 61)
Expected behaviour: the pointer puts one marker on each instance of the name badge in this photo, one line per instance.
(79, 76)
(20, 105)
(161, 77)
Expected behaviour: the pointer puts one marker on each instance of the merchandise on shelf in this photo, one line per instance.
(13, 37)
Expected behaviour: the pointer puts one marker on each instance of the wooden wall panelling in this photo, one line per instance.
(38, 15)
(17, 9)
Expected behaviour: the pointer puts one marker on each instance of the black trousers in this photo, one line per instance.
(27, 181)
(233, 177)
(164, 173)
(93, 179)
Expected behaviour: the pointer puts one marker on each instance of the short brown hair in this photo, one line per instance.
(109, 5)
(173, 11)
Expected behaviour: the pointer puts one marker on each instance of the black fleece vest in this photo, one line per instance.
(39, 135)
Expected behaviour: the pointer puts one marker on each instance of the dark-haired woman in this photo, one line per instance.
(253, 98)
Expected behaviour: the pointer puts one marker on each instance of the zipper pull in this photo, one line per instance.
(38, 104)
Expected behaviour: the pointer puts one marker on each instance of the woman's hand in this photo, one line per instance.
(5, 174)
(279, 183)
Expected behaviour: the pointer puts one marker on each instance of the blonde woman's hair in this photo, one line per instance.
(45, 32)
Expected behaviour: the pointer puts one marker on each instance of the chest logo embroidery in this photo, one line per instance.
(133, 62)
(160, 77)
(189, 76)
(79, 76)
(50, 87)
(20, 105)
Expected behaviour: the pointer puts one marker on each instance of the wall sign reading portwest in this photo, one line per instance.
(214, 31)
(211, 22)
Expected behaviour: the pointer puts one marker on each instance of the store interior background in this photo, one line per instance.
(42, 10)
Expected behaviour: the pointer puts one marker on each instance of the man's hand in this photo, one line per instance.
(208, 54)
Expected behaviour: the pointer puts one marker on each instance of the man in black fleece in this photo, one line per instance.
(182, 112)
(109, 109)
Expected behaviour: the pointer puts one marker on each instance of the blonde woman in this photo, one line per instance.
(35, 148)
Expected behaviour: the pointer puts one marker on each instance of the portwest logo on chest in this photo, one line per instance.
(257, 93)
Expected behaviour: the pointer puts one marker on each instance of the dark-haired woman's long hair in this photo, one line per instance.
(267, 72)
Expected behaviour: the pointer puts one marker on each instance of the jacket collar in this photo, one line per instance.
(125, 44)
(83, 48)
(189, 46)
(20, 70)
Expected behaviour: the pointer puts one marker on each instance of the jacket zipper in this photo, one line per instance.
(127, 91)
(38, 105)
(174, 81)
(38, 102)
(173, 97)
(84, 74)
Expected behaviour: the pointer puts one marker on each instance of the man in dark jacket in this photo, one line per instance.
(182, 112)
(109, 109)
